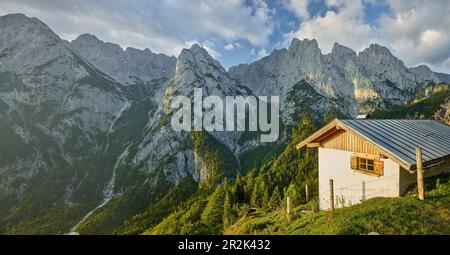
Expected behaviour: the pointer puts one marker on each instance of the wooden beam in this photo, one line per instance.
(313, 145)
(331, 195)
(306, 193)
(320, 132)
(419, 171)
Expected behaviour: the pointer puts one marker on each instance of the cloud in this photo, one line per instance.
(231, 46)
(299, 7)
(417, 31)
(257, 54)
(163, 26)
(345, 26)
(422, 28)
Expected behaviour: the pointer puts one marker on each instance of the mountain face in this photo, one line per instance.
(85, 125)
(175, 152)
(443, 77)
(49, 94)
(444, 113)
(59, 114)
(362, 81)
(126, 66)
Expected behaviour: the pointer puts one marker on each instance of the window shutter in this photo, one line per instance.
(378, 167)
(354, 162)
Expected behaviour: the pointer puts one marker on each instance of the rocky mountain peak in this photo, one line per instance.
(374, 47)
(421, 68)
(25, 27)
(87, 38)
(300, 47)
(26, 43)
(127, 66)
(197, 48)
(423, 72)
(297, 44)
(340, 51)
(196, 59)
(379, 55)
(18, 30)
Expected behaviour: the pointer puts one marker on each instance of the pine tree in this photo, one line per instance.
(275, 199)
(293, 193)
(228, 213)
(239, 189)
(212, 216)
(255, 199)
(249, 184)
(265, 197)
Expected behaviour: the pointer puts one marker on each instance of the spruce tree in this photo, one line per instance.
(228, 213)
(256, 196)
(239, 189)
(212, 216)
(293, 193)
(265, 197)
(275, 199)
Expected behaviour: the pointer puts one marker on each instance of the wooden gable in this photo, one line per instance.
(347, 141)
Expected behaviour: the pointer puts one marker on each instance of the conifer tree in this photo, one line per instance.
(255, 198)
(212, 216)
(239, 189)
(249, 184)
(275, 199)
(293, 193)
(265, 197)
(228, 214)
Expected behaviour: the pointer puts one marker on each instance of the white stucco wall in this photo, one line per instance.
(352, 186)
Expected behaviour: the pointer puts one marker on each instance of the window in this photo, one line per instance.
(367, 165)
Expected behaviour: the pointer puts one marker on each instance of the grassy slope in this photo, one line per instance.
(404, 215)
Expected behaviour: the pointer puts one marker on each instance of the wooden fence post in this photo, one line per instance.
(288, 205)
(331, 195)
(419, 170)
(306, 193)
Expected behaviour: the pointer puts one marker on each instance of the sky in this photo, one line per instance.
(243, 31)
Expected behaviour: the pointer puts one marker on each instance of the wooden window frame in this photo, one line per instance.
(367, 165)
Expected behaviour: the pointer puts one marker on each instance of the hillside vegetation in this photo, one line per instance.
(423, 107)
(270, 173)
(210, 211)
(404, 215)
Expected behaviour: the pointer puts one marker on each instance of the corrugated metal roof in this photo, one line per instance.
(401, 137)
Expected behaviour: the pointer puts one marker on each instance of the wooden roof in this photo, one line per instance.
(396, 139)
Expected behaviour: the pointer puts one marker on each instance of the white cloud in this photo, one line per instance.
(257, 54)
(299, 7)
(417, 31)
(163, 26)
(262, 53)
(231, 46)
(345, 26)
